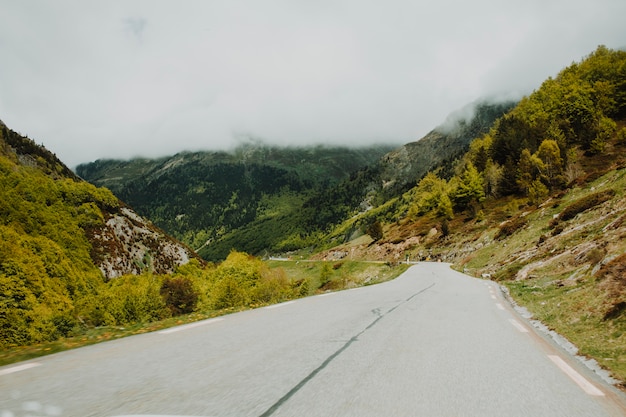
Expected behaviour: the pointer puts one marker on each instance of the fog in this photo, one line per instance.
(148, 78)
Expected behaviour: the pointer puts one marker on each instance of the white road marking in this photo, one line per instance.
(518, 326)
(500, 306)
(493, 297)
(279, 305)
(587, 386)
(190, 326)
(327, 294)
(19, 368)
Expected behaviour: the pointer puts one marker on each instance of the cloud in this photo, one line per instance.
(120, 79)
(135, 26)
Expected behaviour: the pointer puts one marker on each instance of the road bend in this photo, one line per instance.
(432, 342)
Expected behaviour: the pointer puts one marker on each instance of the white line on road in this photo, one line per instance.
(279, 305)
(500, 306)
(576, 377)
(518, 326)
(493, 297)
(19, 368)
(190, 326)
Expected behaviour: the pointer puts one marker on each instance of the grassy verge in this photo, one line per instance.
(322, 276)
(576, 312)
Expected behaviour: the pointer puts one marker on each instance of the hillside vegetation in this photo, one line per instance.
(215, 201)
(61, 238)
(78, 266)
(267, 200)
(537, 203)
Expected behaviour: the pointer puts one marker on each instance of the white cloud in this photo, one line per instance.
(119, 79)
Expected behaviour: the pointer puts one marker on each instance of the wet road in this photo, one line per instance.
(433, 342)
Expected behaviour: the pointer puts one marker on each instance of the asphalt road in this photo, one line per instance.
(433, 342)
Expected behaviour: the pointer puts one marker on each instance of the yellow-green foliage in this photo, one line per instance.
(128, 299)
(432, 194)
(242, 280)
(45, 263)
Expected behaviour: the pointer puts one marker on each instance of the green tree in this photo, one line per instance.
(552, 164)
(470, 187)
(375, 230)
(606, 129)
(537, 192)
(525, 171)
(432, 194)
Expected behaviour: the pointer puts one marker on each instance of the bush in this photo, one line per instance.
(584, 204)
(510, 227)
(179, 295)
(325, 274)
(375, 230)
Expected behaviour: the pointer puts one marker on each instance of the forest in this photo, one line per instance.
(535, 149)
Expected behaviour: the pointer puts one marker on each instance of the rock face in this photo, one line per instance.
(451, 140)
(129, 244)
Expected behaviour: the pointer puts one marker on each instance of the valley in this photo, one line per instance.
(528, 194)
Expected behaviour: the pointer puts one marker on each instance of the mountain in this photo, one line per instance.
(403, 167)
(61, 239)
(537, 203)
(205, 197)
(262, 199)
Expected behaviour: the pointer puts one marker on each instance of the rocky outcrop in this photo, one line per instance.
(129, 244)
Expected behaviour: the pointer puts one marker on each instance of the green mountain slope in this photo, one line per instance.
(61, 238)
(207, 196)
(265, 200)
(537, 203)
(403, 167)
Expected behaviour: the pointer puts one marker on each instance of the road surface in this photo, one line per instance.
(433, 342)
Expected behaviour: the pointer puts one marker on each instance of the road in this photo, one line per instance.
(433, 342)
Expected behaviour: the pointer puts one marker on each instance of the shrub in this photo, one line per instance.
(272, 287)
(325, 274)
(179, 295)
(584, 204)
(510, 227)
(375, 230)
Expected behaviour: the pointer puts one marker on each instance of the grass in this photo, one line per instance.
(576, 312)
(343, 275)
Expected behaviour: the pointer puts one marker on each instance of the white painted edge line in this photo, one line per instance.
(587, 386)
(279, 305)
(189, 326)
(19, 368)
(327, 294)
(500, 306)
(493, 297)
(518, 326)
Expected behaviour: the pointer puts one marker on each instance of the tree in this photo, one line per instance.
(179, 295)
(606, 128)
(375, 230)
(508, 185)
(470, 187)
(432, 194)
(537, 192)
(552, 164)
(525, 173)
(493, 178)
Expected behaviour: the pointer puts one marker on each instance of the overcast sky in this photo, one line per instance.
(96, 79)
